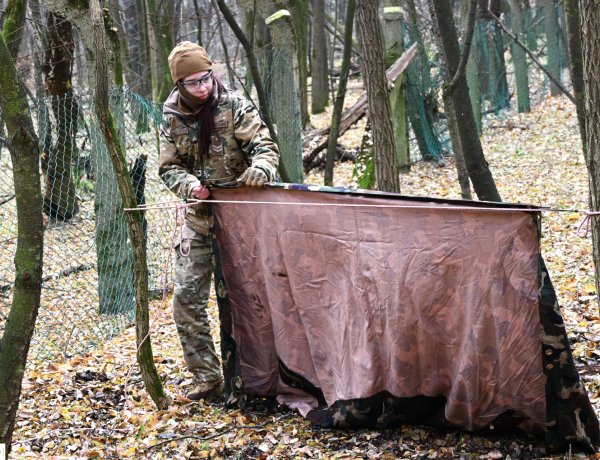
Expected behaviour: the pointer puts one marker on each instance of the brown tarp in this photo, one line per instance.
(342, 301)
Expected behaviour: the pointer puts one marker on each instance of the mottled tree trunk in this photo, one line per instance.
(134, 219)
(14, 20)
(285, 96)
(386, 160)
(590, 41)
(393, 32)
(22, 143)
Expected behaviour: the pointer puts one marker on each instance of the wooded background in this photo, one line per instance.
(77, 114)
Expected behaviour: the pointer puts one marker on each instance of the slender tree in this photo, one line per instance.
(60, 195)
(300, 15)
(456, 88)
(386, 160)
(22, 144)
(338, 105)
(319, 67)
(552, 32)
(134, 218)
(520, 58)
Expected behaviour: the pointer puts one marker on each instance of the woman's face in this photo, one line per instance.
(199, 84)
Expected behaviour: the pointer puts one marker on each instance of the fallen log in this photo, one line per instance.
(357, 111)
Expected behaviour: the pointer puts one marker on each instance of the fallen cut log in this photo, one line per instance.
(357, 111)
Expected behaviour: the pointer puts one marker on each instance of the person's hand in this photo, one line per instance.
(253, 177)
(200, 192)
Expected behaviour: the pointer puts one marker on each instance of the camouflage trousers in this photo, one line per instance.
(190, 301)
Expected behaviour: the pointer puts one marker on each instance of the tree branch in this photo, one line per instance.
(533, 58)
(466, 47)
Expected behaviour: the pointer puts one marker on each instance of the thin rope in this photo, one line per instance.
(586, 222)
(192, 202)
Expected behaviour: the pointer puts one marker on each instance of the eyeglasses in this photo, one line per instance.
(204, 81)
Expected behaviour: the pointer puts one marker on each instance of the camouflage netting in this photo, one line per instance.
(87, 290)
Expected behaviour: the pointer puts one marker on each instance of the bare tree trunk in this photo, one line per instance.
(341, 93)
(22, 143)
(252, 63)
(552, 42)
(134, 218)
(589, 15)
(60, 197)
(299, 10)
(393, 34)
(285, 96)
(520, 59)
(320, 80)
(386, 160)
(456, 85)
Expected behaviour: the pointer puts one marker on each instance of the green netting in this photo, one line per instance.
(422, 85)
(87, 293)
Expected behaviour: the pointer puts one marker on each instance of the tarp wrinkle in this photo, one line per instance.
(437, 312)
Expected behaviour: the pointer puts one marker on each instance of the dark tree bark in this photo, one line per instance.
(59, 199)
(457, 89)
(22, 143)
(589, 17)
(320, 80)
(341, 93)
(576, 63)
(386, 160)
(134, 218)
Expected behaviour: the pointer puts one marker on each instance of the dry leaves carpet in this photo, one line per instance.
(94, 406)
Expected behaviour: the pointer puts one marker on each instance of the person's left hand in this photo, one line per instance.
(200, 192)
(253, 177)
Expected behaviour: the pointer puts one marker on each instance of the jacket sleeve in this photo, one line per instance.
(254, 139)
(172, 163)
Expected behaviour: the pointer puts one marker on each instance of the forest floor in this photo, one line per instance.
(94, 406)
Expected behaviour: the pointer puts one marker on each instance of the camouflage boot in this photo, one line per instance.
(206, 390)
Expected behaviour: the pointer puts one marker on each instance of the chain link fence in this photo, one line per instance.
(87, 285)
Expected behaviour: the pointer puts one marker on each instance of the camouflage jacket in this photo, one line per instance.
(240, 139)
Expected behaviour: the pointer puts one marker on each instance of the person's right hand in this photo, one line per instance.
(200, 192)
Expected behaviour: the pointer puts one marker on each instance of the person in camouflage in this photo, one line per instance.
(212, 137)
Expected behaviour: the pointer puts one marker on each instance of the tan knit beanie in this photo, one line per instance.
(188, 58)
